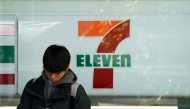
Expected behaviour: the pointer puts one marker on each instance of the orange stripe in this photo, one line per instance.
(95, 28)
(7, 29)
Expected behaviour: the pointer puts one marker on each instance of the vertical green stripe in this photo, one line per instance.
(6, 54)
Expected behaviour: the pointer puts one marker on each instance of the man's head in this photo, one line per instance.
(56, 61)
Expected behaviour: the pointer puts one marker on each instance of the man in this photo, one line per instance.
(52, 90)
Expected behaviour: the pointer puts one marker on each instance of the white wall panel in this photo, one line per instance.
(8, 55)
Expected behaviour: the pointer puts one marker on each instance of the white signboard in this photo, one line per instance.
(151, 57)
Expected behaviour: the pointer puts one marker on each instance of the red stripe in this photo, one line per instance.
(112, 39)
(103, 78)
(6, 79)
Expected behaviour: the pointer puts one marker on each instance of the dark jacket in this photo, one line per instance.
(33, 96)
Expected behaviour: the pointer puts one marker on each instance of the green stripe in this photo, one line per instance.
(7, 54)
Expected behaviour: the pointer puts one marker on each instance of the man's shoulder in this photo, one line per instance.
(74, 88)
(82, 98)
(29, 83)
(81, 91)
(32, 81)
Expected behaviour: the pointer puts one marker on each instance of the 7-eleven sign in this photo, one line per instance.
(113, 32)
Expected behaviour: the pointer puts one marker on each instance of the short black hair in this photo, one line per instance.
(56, 58)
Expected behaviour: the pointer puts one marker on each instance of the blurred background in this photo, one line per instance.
(124, 52)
